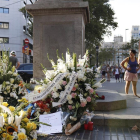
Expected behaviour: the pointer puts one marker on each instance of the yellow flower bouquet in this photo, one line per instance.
(15, 124)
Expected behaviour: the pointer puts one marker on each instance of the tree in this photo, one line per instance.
(101, 21)
(104, 55)
(133, 44)
(30, 23)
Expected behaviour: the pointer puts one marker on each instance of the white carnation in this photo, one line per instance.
(14, 74)
(70, 102)
(55, 95)
(69, 97)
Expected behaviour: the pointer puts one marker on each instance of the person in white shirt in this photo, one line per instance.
(117, 72)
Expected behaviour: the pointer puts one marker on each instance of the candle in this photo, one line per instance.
(90, 125)
(85, 126)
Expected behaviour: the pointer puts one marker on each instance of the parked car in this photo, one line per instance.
(26, 71)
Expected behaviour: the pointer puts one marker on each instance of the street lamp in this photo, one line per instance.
(118, 60)
(97, 48)
(118, 57)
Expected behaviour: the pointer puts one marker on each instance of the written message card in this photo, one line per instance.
(54, 120)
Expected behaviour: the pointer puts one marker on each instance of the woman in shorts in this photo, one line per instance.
(131, 72)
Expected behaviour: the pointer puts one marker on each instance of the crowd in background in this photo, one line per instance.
(116, 72)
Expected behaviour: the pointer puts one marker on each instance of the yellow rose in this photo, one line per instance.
(9, 137)
(21, 136)
(31, 126)
(23, 100)
(5, 104)
(25, 120)
(22, 113)
(4, 115)
(11, 108)
(4, 135)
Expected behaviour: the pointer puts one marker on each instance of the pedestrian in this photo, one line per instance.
(117, 72)
(121, 74)
(103, 71)
(108, 72)
(13, 59)
(131, 72)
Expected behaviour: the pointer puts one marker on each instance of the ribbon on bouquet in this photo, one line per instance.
(35, 97)
(67, 91)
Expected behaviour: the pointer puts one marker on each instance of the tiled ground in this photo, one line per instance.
(99, 133)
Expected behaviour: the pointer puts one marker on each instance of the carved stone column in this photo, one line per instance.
(58, 24)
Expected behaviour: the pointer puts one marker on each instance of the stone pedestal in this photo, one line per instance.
(58, 24)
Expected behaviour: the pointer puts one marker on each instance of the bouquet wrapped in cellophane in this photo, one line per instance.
(70, 86)
(11, 85)
(15, 122)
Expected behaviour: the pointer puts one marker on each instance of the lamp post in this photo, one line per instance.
(97, 48)
(118, 57)
(118, 60)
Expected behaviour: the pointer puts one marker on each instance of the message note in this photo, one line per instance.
(54, 120)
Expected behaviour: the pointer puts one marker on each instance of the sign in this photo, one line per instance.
(67, 91)
(35, 97)
(53, 119)
(26, 41)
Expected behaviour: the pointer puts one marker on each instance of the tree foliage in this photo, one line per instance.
(101, 21)
(30, 23)
(104, 55)
(133, 44)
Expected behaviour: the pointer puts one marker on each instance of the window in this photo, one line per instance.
(4, 10)
(4, 25)
(4, 39)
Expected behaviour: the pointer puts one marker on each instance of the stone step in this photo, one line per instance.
(113, 100)
(123, 117)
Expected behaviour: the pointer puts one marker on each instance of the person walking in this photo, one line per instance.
(13, 59)
(121, 73)
(117, 72)
(103, 71)
(108, 72)
(131, 72)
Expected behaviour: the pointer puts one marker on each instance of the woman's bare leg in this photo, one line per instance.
(127, 85)
(134, 87)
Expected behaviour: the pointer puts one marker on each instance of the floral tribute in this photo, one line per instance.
(15, 123)
(11, 85)
(71, 87)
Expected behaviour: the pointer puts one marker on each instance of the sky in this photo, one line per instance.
(127, 13)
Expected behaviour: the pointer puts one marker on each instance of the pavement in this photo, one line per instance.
(111, 125)
(98, 133)
(122, 117)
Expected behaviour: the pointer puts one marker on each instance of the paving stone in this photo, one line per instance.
(121, 138)
(114, 138)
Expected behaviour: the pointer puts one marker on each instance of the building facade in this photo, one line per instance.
(117, 44)
(12, 22)
(135, 33)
